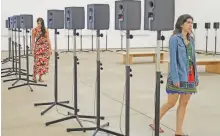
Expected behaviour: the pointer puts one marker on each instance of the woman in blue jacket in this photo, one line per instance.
(183, 76)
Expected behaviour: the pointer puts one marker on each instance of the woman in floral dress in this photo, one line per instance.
(41, 46)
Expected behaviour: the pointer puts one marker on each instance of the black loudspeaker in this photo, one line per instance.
(216, 25)
(207, 25)
(7, 24)
(11, 22)
(159, 15)
(74, 18)
(17, 22)
(55, 19)
(127, 15)
(26, 21)
(194, 25)
(162, 38)
(98, 16)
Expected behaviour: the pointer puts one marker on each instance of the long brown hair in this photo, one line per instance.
(43, 30)
(180, 21)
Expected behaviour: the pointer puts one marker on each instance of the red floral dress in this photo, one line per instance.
(41, 53)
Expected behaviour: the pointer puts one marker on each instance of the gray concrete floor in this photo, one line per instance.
(20, 117)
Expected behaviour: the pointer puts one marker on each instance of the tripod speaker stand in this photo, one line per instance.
(122, 37)
(158, 82)
(68, 44)
(106, 42)
(163, 38)
(55, 103)
(75, 115)
(24, 43)
(207, 27)
(15, 70)
(92, 41)
(81, 50)
(98, 126)
(216, 27)
(27, 66)
(9, 51)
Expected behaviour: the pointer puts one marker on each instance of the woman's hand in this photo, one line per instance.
(177, 85)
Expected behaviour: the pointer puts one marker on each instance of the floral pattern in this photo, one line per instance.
(41, 53)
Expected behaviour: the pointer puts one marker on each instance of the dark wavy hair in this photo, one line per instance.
(43, 30)
(180, 21)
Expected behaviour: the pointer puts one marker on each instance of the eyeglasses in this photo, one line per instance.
(39, 23)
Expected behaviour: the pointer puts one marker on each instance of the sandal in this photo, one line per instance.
(180, 135)
(40, 80)
(153, 128)
(34, 79)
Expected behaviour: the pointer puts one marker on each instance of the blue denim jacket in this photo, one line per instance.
(179, 59)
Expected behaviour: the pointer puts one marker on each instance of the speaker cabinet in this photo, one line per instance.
(17, 22)
(207, 25)
(74, 18)
(26, 21)
(7, 24)
(194, 25)
(159, 15)
(55, 19)
(216, 25)
(11, 22)
(98, 16)
(127, 15)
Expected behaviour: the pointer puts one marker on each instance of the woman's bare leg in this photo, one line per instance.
(40, 78)
(181, 110)
(171, 102)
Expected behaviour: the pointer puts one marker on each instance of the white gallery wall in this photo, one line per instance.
(201, 10)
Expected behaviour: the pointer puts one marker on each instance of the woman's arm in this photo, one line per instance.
(48, 39)
(194, 60)
(173, 60)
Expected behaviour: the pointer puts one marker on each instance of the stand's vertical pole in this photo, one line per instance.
(81, 41)
(12, 51)
(9, 44)
(194, 35)
(16, 64)
(207, 32)
(215, 41)
(30, 42)
(19, 53)
(98, 78)
(157, 92)
(92, 40)
(127, 94)
(68, 41)
(75, 59)
(24, 46)
(56, 68)
(106, 40)
(27, 57)
(122, 40)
